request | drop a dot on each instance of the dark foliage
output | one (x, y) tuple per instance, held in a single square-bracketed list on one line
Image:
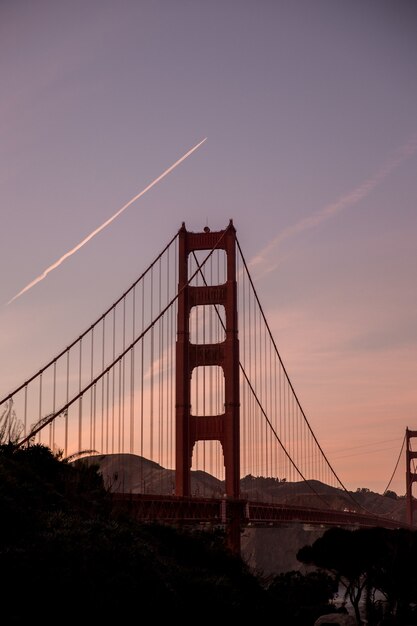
[(34, 483), (300, 599), (376, 564), (66, 558), (391, 494)]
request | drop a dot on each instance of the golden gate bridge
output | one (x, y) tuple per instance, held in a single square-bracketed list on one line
[(183, 370)]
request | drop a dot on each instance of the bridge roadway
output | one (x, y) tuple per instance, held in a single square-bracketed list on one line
[(191, 510)]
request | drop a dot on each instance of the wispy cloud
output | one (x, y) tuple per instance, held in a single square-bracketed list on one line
[(105, 224), (402, 153)]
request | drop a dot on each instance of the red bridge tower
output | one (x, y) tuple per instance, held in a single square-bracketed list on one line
[(410, 477), (224, 427)]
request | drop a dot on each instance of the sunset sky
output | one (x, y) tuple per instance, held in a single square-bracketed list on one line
[(309, 108)]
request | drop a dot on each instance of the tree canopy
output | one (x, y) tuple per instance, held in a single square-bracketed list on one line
[(367, 561), (66, 556)]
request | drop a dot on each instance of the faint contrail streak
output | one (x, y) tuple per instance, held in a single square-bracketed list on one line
[(106, 223), (403, 153)]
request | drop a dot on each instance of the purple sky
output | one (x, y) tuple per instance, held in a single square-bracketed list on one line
[(310, 110)]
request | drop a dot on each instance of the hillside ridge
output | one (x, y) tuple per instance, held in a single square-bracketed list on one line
[(130, 473)]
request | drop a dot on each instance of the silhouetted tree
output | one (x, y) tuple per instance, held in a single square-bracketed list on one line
[(391, 494), (298, 599), (369, 560), (395, 576), (10, 427)]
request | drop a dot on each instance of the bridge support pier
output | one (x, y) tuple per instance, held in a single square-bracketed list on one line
[(233, 514)]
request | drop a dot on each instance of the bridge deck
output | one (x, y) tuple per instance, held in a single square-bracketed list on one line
[(183, 510)]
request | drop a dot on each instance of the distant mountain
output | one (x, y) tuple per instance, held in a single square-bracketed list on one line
[(131, 473)]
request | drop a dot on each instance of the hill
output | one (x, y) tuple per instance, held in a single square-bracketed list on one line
[(135, 474)]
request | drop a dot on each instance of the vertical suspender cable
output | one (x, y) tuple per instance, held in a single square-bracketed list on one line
[(66, 413), (123, 365), (80, 425), (267, 375), (167, 373), (275, 448), (241, 293), (52, 430), (40, 402), (107, 410), (250, 450), (142, 356), (113, 381), (152, 370), (102, 385), (92, 416), (25, 413), (271, 411), (119, 409), (132, 377), (160, 373)]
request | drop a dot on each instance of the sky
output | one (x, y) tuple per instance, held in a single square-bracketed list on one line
[(310, 113)]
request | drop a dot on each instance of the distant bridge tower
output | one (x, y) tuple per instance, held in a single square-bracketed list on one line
[(223, 427), (410, 477)]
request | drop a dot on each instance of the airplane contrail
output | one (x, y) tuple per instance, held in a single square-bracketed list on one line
[(402, 153), (106, 223)]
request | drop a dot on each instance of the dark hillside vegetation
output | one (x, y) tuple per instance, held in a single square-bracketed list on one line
[(64, 555)]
